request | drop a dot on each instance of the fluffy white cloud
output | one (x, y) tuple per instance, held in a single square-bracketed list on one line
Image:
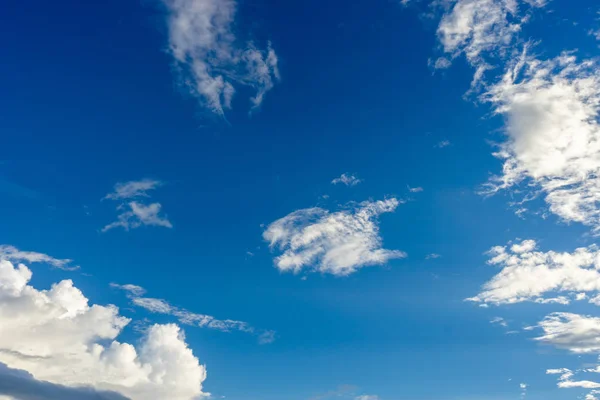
[(338, 243), (481, 28), (553, 137), (209, 57), (347, 179), (132, 189), (58, 337), (21, 385), (11, 253), (186, 317), (136, 214), (528, 274), (573, 332)]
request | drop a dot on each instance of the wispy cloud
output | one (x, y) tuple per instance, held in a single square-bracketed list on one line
[(160, 306), (415, 189), (443, 143), (347, 179), (134, 214), (499, 321), (11, 253), (133, 189), (432, 256), (338, 243), (482, 30), (210, 59)]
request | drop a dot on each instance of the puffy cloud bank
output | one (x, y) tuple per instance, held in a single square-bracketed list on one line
[(58, 337)]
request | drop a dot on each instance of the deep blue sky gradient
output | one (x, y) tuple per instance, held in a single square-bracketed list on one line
[(89, 100)]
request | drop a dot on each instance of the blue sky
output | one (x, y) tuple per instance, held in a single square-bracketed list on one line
[(309, 191)]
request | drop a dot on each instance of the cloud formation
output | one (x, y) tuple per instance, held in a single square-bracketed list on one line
[(11, 253), (573, 332), (347, 179), (56, 336), (186, 317), (528, 274), (481, 30), (552, 133), (337, 243), (209, 57), (19, 384), (134, 214), (133, 189)]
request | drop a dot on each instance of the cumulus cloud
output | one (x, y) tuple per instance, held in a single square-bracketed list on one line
[(347, 179), (552, 134), (11, 253), (160, 306), (573, 332), (133, 189), (57, 336), (19, 384), (337, 243), (528, 274), (209, 57)]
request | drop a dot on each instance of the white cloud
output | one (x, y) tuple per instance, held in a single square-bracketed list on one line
[(11, 253), (565, 374), (160, 306), (347, 179), (579, 384), (367, 397), (136, 214), (58, 337), (432, 256), (573, 332), (338, 243), (132, 189), (480, 29), (552, 134), (528, 274), (134, 290), (415, 189), (19, 384), (499, 321), (210, 59), (443, 143)]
